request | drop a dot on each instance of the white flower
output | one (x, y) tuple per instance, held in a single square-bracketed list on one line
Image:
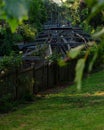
[(2, 72)]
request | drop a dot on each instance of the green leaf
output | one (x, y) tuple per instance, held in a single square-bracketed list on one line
[(61, 62), (13, 23), (98, 34), (14, 12), (91, 2), (16, 8), (92, 61), (75, 52), (96, 6), (79, 72)]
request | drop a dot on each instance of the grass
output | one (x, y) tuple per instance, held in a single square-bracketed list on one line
[(65, 110)]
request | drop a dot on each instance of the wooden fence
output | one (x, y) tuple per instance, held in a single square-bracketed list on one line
[(35, 79), (17, 84), (47, 76)]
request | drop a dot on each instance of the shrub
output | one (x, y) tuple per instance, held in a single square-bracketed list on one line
[(17, 37), (6, 42), (9, 63), (6, 103), (27, 32)]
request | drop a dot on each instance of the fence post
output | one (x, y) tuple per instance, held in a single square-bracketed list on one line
[(33, 65), (16, 83), (47, 75)]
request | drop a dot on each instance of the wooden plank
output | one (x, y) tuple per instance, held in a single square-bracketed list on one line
[(32, 58), (43, 36), (59, 28), (64, 28), (41, 39), (21, 46)]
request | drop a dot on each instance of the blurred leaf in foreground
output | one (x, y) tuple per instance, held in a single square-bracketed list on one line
[(73, 53), (98, 34), (79, 72), (61, 62), (14, 12)]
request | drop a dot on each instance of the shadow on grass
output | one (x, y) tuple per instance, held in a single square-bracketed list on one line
[(61, 102), (67, 102)]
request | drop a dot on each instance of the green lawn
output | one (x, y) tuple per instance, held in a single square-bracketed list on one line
[(66, 110)]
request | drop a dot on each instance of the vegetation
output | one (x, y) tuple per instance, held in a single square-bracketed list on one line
[(85, 14), (10, 62), (64, 109), (6, 46), (21, 20)]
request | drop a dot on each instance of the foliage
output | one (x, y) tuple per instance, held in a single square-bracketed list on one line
[(10, 63), (13, 12), (96, 56), (54, 57), (53, 11), (6, 104), (75, 14), (79, 72), (27, 32), (87, 27), (40, 51), (95, 8), (15, 16), (85, 10), (15, 85), (6, 42), (37, 13), (17, 37)]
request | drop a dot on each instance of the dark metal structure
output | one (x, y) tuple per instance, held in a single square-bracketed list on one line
[(55, 38)]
